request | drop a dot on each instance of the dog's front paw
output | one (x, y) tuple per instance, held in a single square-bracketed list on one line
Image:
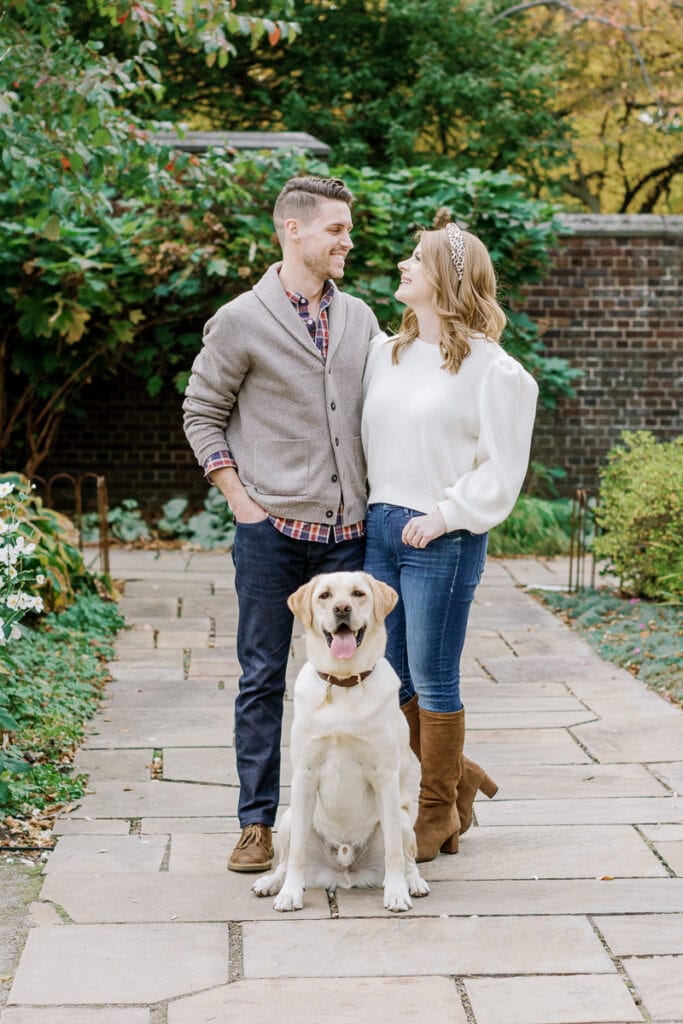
[(289, 899), (417, 886), (268, 885), (396, 899)]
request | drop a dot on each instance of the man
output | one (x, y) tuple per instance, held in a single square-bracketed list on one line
[(272, 412)]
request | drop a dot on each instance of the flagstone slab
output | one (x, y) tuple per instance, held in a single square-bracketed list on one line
[(125, 678), (567, 781), (634, 741), (158, 799), (98, 854), (159, 897), (670, 772), (201, 764), (74, 1015), (663, 833), (643, 705), (134, 640), (226, 668), (164, 727), (552, 852), (157, 606), (558, 668), (207, 826), (643, 934), (659, 982), (197, 853), (609, 811), (673, 855), (91, 826), (485, 647), (491, 701), (339, 1000), (543, 642), (120, 964), (144, 659), (181, 637), (115, 765), (483, 689), (558, 1000), (525, 746), (539, 719), (412, 946), (181, 698), (508, 897)]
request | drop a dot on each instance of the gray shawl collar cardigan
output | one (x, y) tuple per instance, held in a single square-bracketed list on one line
[(291, 420)]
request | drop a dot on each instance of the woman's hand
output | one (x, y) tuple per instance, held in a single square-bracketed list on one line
[(421, 530)]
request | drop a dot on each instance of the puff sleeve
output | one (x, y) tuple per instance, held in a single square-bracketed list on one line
[(485, 496)]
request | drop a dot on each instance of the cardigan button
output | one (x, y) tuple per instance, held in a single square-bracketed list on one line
[(334, 478), (329, 513), (333, 406), (336, 441)]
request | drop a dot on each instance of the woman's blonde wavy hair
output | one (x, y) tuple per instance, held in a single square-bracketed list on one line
[(465, 307)]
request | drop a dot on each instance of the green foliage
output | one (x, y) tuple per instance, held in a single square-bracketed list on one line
[(52, 555), (645, 638), (641, 515), (54, 687), (431, 81), (117, 249), (213, 527), (536, 526)]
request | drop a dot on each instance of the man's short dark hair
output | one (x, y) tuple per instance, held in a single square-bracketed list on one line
[(301, 197)]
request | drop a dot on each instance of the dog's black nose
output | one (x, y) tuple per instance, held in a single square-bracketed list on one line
[(342, 610)]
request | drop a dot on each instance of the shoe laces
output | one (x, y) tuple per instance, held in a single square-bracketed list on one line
[(251, 834)]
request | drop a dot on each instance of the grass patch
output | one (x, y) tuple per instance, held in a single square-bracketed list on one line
[(644, 637), (55, 681)]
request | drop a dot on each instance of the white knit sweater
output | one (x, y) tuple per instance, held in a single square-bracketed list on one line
[(457, 441)]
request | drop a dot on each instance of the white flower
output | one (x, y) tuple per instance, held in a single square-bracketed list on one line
[(4, 527), (40, 579), (6, 489), (13, 601)]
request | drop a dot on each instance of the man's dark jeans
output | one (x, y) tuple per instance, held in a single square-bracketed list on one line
[(268, 568)]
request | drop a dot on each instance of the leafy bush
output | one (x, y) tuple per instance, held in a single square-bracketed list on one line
[(213, 527), (54, 687), (48, 540), (536, 526), (641, 515)]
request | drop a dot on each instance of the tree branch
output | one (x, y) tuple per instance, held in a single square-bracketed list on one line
[(582, 16)]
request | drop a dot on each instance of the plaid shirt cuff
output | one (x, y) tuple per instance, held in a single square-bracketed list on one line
[(219, 460)]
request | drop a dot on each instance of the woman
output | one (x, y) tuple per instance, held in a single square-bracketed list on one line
[(447, 425)]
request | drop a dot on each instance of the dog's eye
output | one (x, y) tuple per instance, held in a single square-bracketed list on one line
[(358, 593), (324, 596)]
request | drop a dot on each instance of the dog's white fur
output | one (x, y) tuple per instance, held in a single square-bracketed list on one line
[(349, 822)]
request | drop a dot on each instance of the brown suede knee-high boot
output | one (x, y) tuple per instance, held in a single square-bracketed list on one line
[(412, 713), (441, 741)]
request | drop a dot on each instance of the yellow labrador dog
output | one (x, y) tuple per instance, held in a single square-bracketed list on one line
[(348, 823)]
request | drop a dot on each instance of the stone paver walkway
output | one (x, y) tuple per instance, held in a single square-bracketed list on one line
[(564, 906)]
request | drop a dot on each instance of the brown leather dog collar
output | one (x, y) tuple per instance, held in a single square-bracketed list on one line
[(345, 681)]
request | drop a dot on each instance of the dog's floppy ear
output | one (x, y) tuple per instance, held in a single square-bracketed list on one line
[(301, 605), (384, 597)]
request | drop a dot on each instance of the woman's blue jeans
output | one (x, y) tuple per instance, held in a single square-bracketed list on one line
[(436, 585)]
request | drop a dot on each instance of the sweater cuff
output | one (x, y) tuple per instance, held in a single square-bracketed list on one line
[(219, 460)]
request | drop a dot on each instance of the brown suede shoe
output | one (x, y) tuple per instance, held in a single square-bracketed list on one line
[(254, 850)]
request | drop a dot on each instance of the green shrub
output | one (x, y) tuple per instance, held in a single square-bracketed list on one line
[(536, 526), (641, 514)]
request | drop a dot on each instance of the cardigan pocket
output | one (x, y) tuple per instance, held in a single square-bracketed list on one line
[(282, 466)]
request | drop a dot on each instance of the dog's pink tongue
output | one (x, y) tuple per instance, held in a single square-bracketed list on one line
[(343, 644)]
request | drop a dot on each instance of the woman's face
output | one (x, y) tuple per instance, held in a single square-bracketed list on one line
[(414, 289)]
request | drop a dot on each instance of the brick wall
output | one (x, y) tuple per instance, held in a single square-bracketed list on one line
[(611, 305)]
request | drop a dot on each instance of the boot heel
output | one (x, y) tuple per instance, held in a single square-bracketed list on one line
[(451, 845), (488, 786)]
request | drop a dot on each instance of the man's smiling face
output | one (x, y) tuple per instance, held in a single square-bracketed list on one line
[(325, 241)]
